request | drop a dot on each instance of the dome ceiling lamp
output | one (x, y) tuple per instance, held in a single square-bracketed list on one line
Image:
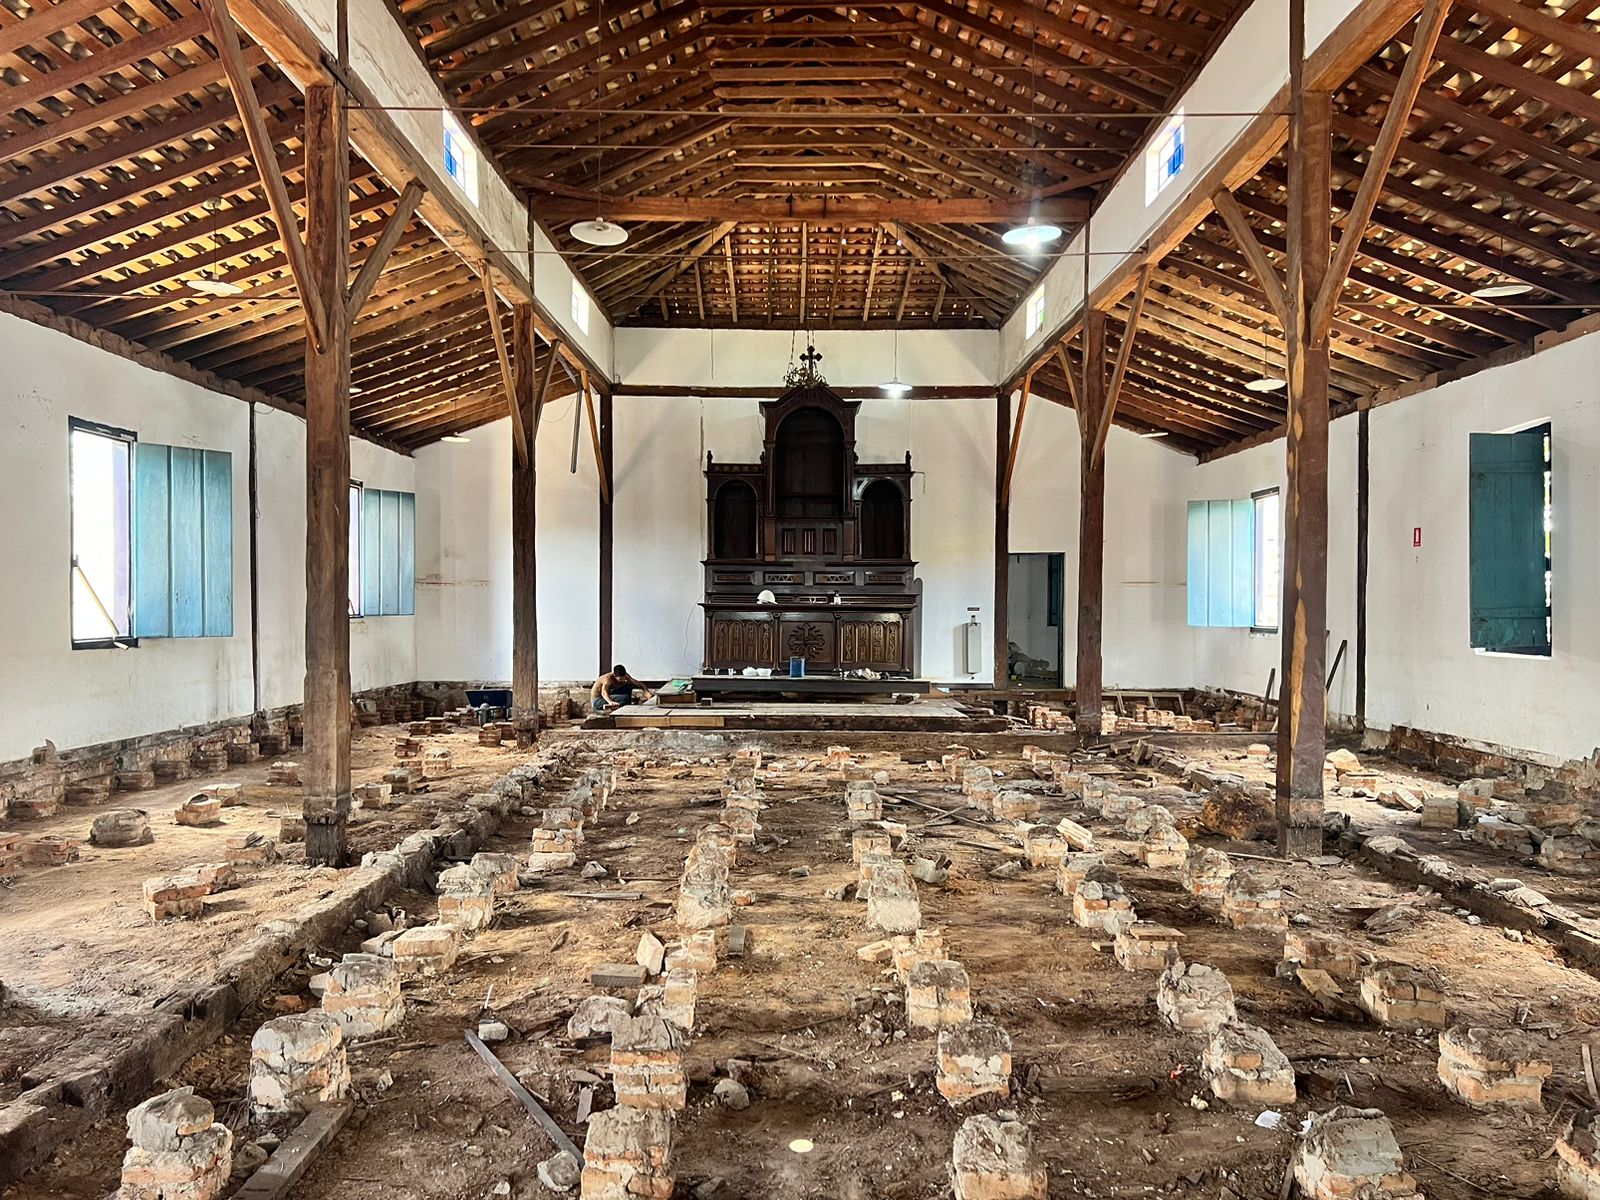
[(895, 389), (1033, 235), (210, 283), (1267, 381)]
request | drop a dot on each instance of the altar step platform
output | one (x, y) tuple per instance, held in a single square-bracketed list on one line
[(919, 715)]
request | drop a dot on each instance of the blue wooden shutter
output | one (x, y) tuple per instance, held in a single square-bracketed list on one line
[(408, 554), (371, 554), (217, 524), (1507, 541), (1199, 559), (1222, 563), (152, 562), (183, 542)]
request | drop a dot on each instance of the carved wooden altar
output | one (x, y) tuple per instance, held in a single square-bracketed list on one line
[(827, 535)]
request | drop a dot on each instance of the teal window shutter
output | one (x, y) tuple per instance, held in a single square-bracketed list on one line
[(217, 526), (183, 542), (152, 559), (1509, 601), (371, 554), (1199, 561), (388, 553), (1221, 563)]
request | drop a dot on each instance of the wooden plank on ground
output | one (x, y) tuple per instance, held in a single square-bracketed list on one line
[(294, 1154)]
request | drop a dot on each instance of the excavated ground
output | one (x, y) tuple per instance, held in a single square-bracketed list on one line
[(1114, 1096)]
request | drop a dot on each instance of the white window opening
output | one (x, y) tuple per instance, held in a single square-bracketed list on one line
[(100, 461), (580, 307), (460, 157), (1034, 319), (355, 550), (1268, 559), (1163, 161)]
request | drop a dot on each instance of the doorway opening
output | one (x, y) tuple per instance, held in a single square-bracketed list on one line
[(1033, 619)]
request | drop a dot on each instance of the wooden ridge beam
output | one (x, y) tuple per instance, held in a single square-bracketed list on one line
[(817, 208)]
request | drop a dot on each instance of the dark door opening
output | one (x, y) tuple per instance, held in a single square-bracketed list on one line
[(1033, 619)]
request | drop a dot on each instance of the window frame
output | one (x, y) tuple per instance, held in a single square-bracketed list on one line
[(352, 585), (1034, 313), (130, 439), (1255, 561), (580, 306), (455, 144), (1155, 160)]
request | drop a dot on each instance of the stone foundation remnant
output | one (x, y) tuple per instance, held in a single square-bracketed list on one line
[(121, 827), (1323, 952), (973, 1060), (175, 896), (466, 898), (1146, 946), (1074, 869), (426, 950), (938, 995), (1101, 903), (1014, 806), (995, 1160), (647, 1063), (1163, 847), (1352, 1154), (363, 995), (892, 903), (869, 841), (251, 850), (180, 1151), (1404, 995), (862, 802), (1206, 873), (1247, 1068), (1252, 901), (1195, 998), (296, 1062), (198, 810), (1486, 1067), (627, 1155)]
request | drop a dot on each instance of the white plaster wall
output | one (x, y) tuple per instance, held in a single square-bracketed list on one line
[(850, 357), (1238, 658), (1145, 530), (80, 697), (464, 553), (1421, 669), (1239, 80)]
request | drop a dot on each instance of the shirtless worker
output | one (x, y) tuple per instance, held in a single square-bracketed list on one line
[(614, 689)]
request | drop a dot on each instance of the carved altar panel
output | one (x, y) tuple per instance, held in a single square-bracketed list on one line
[(815, 641), (738, 641), (875, 642)]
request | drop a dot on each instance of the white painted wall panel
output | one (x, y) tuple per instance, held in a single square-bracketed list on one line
[(80, 697)]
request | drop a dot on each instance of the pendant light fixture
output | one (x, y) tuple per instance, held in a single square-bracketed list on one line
[(1502, 285), (456, 439), (210, 284), (895, 389), (598, 231), (1033, 235), (1266, 381)]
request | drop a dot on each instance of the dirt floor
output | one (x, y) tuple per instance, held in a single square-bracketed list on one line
[(1116, 1099), (78, 955)]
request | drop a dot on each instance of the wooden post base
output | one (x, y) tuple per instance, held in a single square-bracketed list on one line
[(327, 843)]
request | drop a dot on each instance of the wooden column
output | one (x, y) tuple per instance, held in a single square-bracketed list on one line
[(607, 496), (524, 571), (327, 370), (1091, 524), (1002, 542), (1303, 699)]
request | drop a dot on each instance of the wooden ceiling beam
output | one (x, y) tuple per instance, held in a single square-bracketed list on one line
[(817, 208)]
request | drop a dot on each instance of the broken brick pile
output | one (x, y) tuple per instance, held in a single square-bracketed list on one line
[(995, 1159), (1486, 1067), (1352, 1152)]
